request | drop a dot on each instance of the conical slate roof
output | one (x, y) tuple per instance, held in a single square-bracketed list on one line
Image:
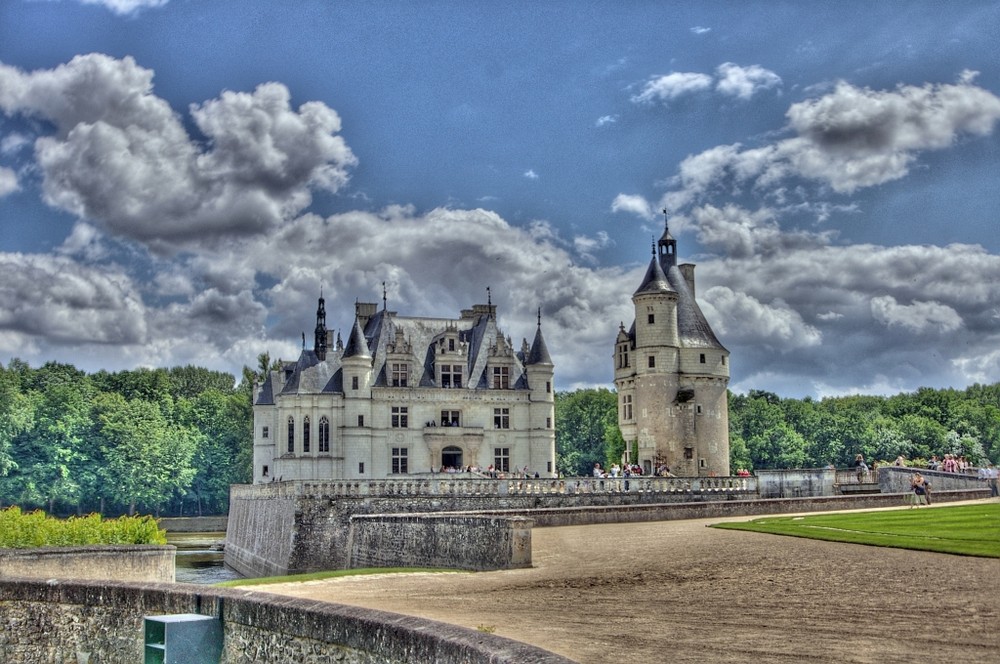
[(539, 353), (655, 280), (357, 346)]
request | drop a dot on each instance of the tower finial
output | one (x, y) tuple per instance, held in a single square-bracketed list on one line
[(489, 297), (384, 298), (539, 316), (666, 220), (652, 245)]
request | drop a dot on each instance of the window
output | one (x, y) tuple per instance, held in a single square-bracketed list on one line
[(501, 418), (650, 318), (548, 387), (688, 452), (324, 435), (451, 344), (305, 435), (400, 373), (451, 418), (626, 408), (264, 474), (501, 378), (652, 361), (723, 360), (702, 358), (451, 375), (291, 435), (623, 356), (264, 432), (400, 460), (501, 459), (400, 417), (354, 382), (361, 420), (548, 422), (361, 468), (698, 408)]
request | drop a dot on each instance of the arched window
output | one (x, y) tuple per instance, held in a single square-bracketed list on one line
[(305, 434), (291, 435), (324, 435)]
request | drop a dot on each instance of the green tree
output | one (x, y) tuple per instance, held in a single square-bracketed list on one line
[(583, 419)]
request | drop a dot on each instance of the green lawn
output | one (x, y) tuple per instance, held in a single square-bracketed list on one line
[(966, 530)]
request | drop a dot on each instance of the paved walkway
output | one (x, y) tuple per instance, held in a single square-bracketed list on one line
[(682, 592)]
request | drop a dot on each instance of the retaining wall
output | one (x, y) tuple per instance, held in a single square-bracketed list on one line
[(102, 623), (459, 541), (123, 563)]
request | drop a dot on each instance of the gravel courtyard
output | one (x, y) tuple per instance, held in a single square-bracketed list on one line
[(679, 591)]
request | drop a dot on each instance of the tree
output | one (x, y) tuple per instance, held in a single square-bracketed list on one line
[(583, 419), (146, 458)]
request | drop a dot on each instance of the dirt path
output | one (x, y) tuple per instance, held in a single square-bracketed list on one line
[(681, 592)]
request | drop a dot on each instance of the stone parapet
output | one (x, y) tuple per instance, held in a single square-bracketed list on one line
[(103, 623), (122, 563)]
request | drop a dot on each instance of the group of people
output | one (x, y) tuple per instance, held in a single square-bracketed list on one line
[(951, 463), (624, 470)]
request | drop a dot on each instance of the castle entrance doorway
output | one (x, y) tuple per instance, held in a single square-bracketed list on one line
[(451, 456)]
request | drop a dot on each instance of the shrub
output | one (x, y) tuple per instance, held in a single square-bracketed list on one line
[(20, 530)]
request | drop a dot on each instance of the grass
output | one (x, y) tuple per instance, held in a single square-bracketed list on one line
[(330, 574), (966, 530)]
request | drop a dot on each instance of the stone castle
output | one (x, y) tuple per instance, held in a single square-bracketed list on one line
[(672, 374), (407, 395)]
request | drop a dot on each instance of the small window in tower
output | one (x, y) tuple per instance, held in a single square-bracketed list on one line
[(688, 452), (361, 468), (701, 462), (451, 344), (699, 409), (651, 318), (361, 420), (264, 474), (264, 432), (702, 359), (548, 422), (723, 360), (652, 361), (354, 382), (548, 387)]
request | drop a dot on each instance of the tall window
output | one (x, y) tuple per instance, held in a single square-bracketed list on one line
[(361, 420), (650, 318), (501, 459), (702, 358), (291, 435), (400, 460), (626, 408), (451, 344), (501, 418), (305, 435), (501, 378), (652, 361), (354, 382), (451, 375), (623, 356), (400, 373), (264, 432), (400, 417), (324, 435), (451, 418)]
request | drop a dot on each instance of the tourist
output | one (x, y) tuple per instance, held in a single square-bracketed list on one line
[(859, 463), (900, 461), (934, 463), (919, 496), (990, 474)]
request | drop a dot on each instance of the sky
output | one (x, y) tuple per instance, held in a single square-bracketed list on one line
[(181, 179)]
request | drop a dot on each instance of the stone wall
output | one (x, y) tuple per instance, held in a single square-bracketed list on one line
[(102, 623), (796, 483), (896, 479), (305, 526), (123, 563), (193, 524), (459, 541)]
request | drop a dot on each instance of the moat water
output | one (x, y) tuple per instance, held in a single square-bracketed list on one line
[(200, 558)]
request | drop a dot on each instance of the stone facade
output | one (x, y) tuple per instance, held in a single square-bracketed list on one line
[(672, 375), (407, 395)]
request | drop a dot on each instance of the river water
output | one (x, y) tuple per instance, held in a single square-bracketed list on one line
[(198, 560)]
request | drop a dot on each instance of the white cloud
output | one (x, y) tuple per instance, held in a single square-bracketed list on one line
[(606, 120), (671, 86), (125, 7), (14, 142), (742, 318), (8, 181), (155, 183), (699, 30), (531, 174), (917, 317), (586, 247), (634, 204), (745, 82)]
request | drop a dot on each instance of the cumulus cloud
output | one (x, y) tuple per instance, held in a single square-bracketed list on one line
[(63, 302), (671, 86), (916, 317), (634, 204), (122, 159), (8, 181), (606, 120), (743, 318), (744, 82), (848, 139), (531, 174)]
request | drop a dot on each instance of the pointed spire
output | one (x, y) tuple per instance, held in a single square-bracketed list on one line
[(385, 299), (319, 340), (655, 279), (539, 353), (357, 345)]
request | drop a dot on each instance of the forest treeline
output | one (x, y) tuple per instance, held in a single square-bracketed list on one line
[(766, 431), (160, 441), (171, 441)]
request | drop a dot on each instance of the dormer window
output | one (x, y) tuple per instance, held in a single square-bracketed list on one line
[(400, 374), (501, 378), (451, 375)]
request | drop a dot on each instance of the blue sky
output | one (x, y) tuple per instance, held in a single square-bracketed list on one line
[(179, 179)]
